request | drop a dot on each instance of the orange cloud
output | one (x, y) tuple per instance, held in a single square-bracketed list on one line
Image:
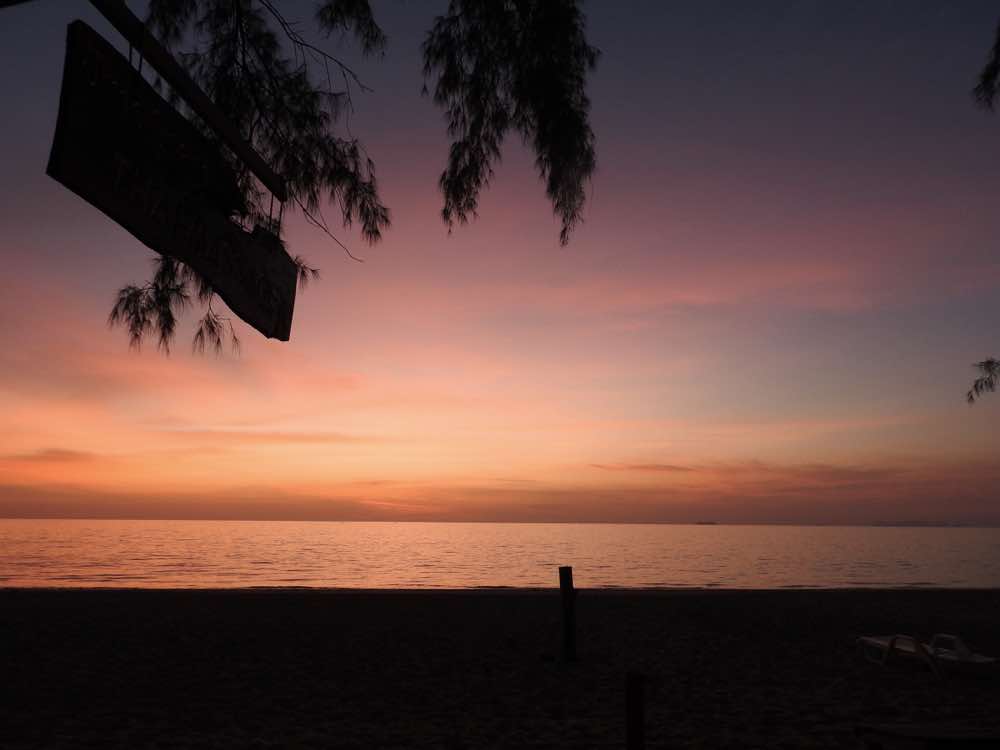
[(751, 492), (255, 437), (655, 468), (49, 456)]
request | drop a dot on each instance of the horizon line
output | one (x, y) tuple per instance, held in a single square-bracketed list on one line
[(900, 524)]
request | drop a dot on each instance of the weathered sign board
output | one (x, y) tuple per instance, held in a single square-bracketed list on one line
[(126, 151)]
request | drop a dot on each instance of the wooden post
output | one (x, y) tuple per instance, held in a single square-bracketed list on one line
[(635, 711), (568, 613)]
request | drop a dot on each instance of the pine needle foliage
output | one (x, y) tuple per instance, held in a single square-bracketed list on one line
[(989, 376), (985, 94), (513, 65), (495, 66)]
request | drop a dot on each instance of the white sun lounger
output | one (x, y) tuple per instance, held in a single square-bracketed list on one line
[(944, 654)]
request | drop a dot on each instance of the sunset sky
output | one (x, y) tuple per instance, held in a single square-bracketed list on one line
[(788, 264)]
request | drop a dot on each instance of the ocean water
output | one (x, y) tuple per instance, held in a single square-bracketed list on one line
[(236, 554)]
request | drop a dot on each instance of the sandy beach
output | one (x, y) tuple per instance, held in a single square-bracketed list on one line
[(313, 668)]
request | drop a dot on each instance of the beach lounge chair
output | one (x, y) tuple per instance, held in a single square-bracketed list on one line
[(886, 649), (945, 654), (955, 657)]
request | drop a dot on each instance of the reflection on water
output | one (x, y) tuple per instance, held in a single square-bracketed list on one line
[(228, 554)]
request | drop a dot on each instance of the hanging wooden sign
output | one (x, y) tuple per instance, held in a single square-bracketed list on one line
[(126, 151)]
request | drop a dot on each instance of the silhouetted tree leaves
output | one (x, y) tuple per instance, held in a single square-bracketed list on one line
[(211, 333), (513, 64), (987, 381), (498, 65), (353, 16), (154, 306), (985, 91), (985, 94)]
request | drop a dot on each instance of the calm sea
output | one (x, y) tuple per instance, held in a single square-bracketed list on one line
[(230, 554)]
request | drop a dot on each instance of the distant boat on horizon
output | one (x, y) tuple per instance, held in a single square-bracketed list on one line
[(706, 523)]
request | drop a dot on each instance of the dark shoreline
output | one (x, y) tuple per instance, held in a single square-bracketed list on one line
[(471, 668), (514, 590)]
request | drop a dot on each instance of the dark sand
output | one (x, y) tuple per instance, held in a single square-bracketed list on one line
[(470, 670)]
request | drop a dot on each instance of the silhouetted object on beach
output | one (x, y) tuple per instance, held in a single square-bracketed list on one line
[(944, 654), (494, 67), (568, 596), (635, 711), (890, 650)]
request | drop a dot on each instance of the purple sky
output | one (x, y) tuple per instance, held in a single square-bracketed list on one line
[(786, 268)]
